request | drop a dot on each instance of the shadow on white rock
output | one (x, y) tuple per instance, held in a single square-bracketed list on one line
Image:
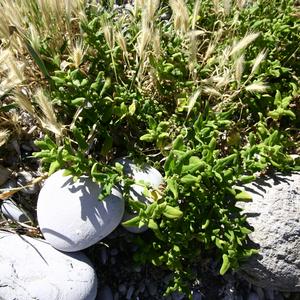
[(274, 214), (140, 173), (70, 215), (32, 269)]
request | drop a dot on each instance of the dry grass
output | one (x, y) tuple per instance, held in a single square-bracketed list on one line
[(35, 22)]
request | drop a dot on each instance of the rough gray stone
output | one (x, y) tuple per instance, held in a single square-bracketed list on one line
[(32, 269), (274, 214)]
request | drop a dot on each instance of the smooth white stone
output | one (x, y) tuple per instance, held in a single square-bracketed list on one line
[(146, 174), (70, 215), (13, 212), (32, 269)]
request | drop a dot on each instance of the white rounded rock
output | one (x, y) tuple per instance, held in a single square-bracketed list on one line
[(70, 215), (146, 174), (32, 269)]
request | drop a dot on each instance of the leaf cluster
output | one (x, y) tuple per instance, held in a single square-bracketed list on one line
[(197, 96)]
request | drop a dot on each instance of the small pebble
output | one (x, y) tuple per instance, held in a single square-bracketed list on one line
[(114, 251), (178, 296), (137, 269), (13, 212), (142, 287), (4, 175), (24, 178), (286, 295), (9, 184), (122, 289), (26, 148), (259, 291), (278, 296), (129, 293), (152, 289), (113, 261), (103, 256), (116, 296), (197, 296), (105, 293), (269, 294), (253, 296)]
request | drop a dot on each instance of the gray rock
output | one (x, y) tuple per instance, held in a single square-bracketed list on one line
[(274, 214), (105, 293), (32, 269), (13, 212)]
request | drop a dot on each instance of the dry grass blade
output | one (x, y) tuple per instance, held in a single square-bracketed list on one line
[(4, 135), (49, 120), (257, 87), (109, 35), (212, 92), (209, 51), (227, 7), (195, 14), (156, 43), (180, 15), (3, 56), (239, 68), (258, 60), (192, 101), (243, 43), (77, 53), (6, 193), (152, 6), (23, 102)]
